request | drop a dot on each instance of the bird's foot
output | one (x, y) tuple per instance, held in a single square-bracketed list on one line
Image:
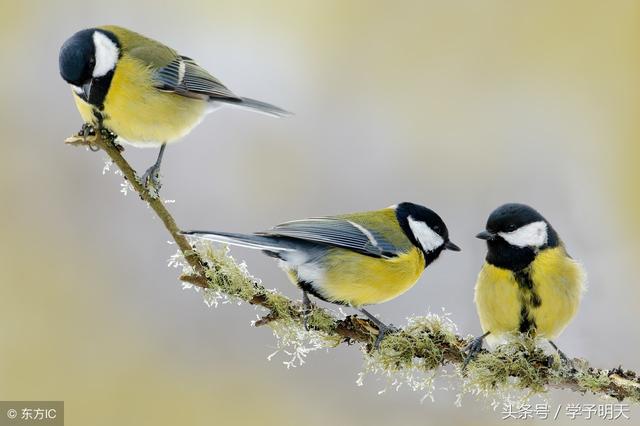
[(87, 130), (472, 349), (111, 137), (307, 308), (151, 180), (564, 359), (383, 330), (306, 313)]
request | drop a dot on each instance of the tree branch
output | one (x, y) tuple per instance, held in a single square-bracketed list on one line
[(425, 344)]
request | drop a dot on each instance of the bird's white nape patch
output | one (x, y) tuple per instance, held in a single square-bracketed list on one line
[(106, 54), (532, 235), (427, 237)]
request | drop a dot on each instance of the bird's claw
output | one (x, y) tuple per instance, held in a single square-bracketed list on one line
[(85, 131), (306, 313), (108, 135), (382, 332), (472, 350), (151, 180), (307, 308), (89, 130)]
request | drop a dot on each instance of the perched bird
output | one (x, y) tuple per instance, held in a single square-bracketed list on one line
[(355, 259), (528, 283), (141, 90)]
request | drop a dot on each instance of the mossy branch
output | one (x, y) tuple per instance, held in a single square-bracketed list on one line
[(425, 344)]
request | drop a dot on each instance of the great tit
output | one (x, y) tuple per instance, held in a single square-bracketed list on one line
[(355, 259), (141, 90), (528, 283)]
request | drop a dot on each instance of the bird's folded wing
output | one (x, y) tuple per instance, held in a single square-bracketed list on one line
[(184, 77), (336, 232)]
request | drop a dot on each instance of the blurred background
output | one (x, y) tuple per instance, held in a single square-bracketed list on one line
[(460, 106)]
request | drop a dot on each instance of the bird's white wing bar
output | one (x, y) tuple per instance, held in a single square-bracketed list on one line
[(185, 77)]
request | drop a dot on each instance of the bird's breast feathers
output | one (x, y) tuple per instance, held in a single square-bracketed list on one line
[(347, 277), (557, 286)]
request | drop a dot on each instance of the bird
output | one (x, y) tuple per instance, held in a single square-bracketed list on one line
[(355, 259), (144, 92), (528, 283)]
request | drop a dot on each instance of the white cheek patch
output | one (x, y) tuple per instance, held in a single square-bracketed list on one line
[(531, 235), (428, 238), (77, 89), (106, 54)]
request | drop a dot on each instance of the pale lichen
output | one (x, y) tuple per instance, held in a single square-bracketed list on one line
[(411, 358)]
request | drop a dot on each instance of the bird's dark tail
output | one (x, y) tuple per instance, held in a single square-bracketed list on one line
[(258, 106), (251, 241)]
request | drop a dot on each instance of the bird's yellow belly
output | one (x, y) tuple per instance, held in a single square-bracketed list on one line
[(558, 282), (141, 114), (497, 300), (358, 280)]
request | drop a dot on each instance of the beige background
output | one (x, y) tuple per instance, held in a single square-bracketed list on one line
[(457, 105)]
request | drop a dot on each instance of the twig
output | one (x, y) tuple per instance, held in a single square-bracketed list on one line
[(428, 342), (158, 206)]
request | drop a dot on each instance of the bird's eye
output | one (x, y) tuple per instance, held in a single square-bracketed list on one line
[(511, 227), (436, 229), (92, 61)]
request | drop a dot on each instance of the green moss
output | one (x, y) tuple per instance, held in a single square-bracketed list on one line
[(593, 382), (279, 305), (227, 276), (396, 352), (520, 359), (321, 321), (419, 345)]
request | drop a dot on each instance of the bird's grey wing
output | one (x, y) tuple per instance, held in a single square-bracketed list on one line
[(336, 232), (185, 77)]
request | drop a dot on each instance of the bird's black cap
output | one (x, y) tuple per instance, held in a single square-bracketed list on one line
[(512, 216), (77, 57)]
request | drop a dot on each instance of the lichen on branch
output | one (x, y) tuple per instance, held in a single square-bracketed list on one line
[(413, 356)]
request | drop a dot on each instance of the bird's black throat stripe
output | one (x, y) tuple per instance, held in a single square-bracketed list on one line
[(99, 88), (529, 299)]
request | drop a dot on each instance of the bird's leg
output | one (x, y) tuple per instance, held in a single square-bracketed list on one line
[(383, 329), (473, 348), (151, 178), (306, 309)]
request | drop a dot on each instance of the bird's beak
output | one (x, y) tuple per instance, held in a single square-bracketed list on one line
[(486, 235), (86, 89), (450, 246)]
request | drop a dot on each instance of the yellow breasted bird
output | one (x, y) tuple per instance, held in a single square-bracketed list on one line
[(528, 283), (141, 90), (355, 259)]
